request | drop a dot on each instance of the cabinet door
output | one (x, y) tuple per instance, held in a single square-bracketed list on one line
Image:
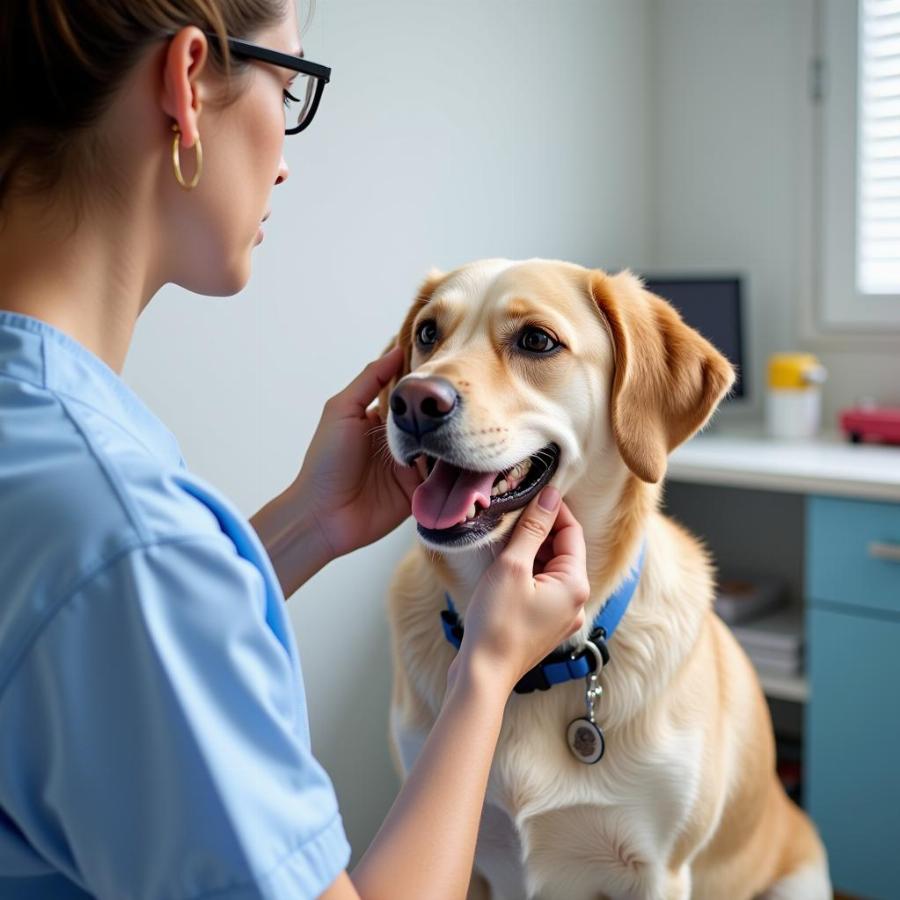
[(853, 553), (853, 747)]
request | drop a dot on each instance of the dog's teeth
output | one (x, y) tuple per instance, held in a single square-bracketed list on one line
[(516, 474), (471, 513), (514, 477)]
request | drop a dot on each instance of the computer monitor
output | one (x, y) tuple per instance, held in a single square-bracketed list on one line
[(712, 305)]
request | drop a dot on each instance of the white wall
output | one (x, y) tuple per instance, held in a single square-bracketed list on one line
[(734, 176), (450, 131)]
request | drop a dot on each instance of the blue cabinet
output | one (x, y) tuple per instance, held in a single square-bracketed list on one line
[(853, 717)]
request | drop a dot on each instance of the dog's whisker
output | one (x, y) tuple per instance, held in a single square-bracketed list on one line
[(375, 429), (384, 453)]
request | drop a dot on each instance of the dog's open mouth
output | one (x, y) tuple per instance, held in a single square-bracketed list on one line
[(456, 506)]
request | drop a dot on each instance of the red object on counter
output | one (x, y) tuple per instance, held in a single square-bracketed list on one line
[(877, 424)]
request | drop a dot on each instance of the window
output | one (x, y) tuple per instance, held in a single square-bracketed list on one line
[(859, 254), (878, 194)]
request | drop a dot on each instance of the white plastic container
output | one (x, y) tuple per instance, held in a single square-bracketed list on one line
[(794, 396)]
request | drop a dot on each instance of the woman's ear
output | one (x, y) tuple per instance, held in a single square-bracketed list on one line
[(404, 337), (184, 60), (667, 379)]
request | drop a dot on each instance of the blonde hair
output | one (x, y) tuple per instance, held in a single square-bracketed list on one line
[(61, 62)]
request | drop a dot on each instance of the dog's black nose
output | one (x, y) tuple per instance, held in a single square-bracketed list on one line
[(420, 405)]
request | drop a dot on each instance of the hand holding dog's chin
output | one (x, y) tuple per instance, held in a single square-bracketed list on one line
[(515, 617)]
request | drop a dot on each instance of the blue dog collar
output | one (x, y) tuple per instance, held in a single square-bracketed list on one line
[(565, 665)]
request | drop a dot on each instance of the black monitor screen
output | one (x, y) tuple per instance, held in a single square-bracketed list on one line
[(713, 307)]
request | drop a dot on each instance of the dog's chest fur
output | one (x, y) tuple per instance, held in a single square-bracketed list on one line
[(554, 827), (584, 826)]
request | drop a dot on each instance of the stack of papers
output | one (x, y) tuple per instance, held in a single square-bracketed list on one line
[(774, 642), (739, 600)]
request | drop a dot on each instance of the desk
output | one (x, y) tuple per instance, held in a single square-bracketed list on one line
[(829, 466), (825, 515)]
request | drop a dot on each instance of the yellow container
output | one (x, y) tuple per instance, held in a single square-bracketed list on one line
[(794, 397), (794, 370)]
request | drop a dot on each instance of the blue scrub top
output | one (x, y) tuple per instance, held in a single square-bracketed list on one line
[(154, 741)]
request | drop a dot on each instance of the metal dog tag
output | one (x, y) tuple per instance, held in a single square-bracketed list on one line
[(585, 740), (584, 736)]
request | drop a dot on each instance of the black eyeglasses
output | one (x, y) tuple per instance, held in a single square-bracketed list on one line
[(308, 85)]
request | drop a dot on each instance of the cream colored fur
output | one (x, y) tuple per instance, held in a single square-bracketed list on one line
[(685, 802)]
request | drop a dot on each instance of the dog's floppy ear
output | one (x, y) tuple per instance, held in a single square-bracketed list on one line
[(404, 336), (667, 379)]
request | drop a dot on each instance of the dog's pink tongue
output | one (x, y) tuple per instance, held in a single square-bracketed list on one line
[(444, 498)]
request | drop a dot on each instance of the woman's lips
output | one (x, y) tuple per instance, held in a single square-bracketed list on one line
[(260, 233)]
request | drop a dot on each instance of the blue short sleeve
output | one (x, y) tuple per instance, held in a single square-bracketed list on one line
[(153, 738)]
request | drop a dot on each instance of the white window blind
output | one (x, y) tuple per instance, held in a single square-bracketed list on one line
[(857, 266), (878, 194)]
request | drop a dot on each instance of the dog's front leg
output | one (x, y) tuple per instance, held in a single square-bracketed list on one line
[(658, 883), (677, 884)]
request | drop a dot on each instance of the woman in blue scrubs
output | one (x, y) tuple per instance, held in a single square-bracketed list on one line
[(153, 727)]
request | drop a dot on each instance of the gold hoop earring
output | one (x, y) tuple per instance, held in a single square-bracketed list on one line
[(176, 160)]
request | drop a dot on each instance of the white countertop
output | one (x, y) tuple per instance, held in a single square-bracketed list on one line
[(745, 457)]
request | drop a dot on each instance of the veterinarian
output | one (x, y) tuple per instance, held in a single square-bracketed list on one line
[(153, 726)]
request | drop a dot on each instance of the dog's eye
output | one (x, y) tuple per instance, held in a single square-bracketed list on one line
[(536, 340), (426, 334)]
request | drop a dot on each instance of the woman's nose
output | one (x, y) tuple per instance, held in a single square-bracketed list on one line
[(283, 171)]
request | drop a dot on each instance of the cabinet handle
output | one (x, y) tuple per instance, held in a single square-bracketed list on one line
[(881, 550)]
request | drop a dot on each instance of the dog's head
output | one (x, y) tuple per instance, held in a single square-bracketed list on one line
[(519, 373)]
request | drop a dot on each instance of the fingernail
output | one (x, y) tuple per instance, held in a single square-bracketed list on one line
[(549, 498)]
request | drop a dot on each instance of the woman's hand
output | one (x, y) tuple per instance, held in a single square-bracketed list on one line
[(349, 483), (517, 617)]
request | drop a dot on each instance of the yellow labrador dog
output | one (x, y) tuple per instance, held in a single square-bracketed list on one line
[(522, 372)]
